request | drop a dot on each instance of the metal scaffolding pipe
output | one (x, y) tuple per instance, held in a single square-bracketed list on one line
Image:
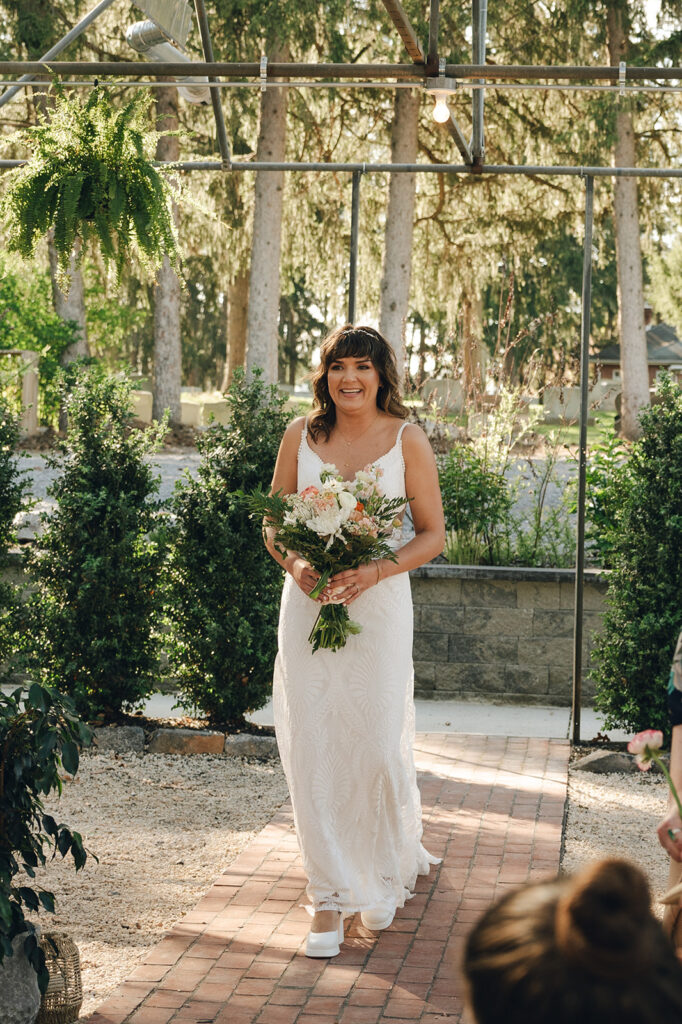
[(480, 20), (74, 33), (405, 30), (216, 99), (354, 237), (261, 165), (401, 72), (582, 460), (434, 18)]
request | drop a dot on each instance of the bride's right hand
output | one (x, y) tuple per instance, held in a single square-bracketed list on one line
[(305, 576)]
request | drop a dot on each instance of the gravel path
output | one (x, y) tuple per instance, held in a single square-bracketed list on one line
[(163, 827), (616, 816)]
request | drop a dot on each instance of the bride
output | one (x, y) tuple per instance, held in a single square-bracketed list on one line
[(345, 719)]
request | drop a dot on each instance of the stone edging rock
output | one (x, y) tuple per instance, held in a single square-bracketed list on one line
[(131, 739)]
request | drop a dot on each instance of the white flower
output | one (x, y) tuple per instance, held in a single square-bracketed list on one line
[(326, 523), (347, 501)]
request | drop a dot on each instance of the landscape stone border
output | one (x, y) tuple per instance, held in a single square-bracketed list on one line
[(131, 739)]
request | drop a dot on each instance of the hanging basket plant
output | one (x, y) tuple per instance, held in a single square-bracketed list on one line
[(91, 177)]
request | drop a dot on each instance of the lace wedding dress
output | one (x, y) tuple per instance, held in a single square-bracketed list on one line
[(345, 729)]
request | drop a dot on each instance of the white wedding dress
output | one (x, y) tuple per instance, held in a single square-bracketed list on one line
[(345, 729)]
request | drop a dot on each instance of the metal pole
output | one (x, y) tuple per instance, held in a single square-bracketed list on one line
[(432, 56), (354, 226), (216, 99), (582, 459), (76, 31), (480, 19), (401, 72), (530, 171)]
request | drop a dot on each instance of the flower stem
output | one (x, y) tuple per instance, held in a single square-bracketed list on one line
[(671, 784), (320, 585)]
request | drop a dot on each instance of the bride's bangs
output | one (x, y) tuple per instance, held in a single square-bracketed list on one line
[(356, 344)]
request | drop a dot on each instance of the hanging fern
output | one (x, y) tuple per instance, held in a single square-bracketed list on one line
[(91, 176)]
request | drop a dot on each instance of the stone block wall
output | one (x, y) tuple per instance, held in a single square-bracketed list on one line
[(501, 634)]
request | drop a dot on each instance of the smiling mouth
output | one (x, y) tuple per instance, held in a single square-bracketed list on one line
[(351, 391)]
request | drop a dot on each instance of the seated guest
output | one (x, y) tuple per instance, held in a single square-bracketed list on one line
[(580, 950)]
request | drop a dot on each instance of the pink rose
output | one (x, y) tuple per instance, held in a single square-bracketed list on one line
[(309, 492), (643, 746)]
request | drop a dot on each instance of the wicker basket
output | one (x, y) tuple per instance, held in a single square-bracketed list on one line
[(62, 1002)]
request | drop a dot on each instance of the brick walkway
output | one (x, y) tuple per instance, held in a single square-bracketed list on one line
[(493, 810)]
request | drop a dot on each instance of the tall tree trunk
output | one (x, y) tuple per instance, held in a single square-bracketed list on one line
[(237, 315), (264, 286), (472, 370), (70, 305), (395, 281), (167, 347), (633, 352)]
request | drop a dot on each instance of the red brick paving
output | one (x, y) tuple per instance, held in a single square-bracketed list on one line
[(493, 810)]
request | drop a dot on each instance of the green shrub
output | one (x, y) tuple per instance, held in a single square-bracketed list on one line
[(607, 478), (644, 610), (476, 502), (12, 497), (39, 736), (224, 588), (29, 322), (92, 621)]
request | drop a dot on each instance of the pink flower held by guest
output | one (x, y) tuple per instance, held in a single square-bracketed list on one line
[(643, 746)]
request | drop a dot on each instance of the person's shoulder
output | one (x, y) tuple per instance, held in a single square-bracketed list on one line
[(414, 439), (293, 433)]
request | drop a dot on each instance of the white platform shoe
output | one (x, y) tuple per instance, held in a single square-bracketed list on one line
[(325, 944), (377, 919)]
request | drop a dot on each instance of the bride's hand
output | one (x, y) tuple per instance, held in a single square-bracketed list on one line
[(305, 576), (346, 586)]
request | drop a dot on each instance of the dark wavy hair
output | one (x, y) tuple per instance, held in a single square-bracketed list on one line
[(356, 342), (586, 948)]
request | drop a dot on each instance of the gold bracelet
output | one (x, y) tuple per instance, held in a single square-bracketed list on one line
[(378, 565)]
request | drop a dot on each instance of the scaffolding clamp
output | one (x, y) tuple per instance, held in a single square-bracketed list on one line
[(621, 77), (263, 72)]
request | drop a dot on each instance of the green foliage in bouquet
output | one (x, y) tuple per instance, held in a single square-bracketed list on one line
[(224, 588), (40, 735), (91, 176), (644, 610), (93, 620)]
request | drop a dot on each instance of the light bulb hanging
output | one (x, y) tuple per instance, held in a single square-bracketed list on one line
[(441, 89), (441, 110)]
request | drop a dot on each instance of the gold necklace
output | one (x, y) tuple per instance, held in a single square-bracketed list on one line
[(354, 440)]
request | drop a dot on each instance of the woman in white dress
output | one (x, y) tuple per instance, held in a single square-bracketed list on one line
[(345, 719)]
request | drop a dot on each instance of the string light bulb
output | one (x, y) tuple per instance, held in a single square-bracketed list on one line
[(441, 89), (441, 110)]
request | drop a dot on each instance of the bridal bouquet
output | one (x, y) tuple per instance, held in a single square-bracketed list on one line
[(340, 525)]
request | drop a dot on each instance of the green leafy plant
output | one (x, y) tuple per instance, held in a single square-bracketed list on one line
[(92, 620), (40, 735), (28, 322), (224, 588), (644, 611), (13, 486), (607, 478), (90, 176), (476, 503)]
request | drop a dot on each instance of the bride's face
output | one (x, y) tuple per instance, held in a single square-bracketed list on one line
[(353, 383)]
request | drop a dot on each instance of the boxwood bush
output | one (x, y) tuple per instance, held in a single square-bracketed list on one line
[(224, 588), (644, 603), (93, 620)]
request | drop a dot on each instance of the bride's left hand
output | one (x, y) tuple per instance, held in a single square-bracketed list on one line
[(346, 586)]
